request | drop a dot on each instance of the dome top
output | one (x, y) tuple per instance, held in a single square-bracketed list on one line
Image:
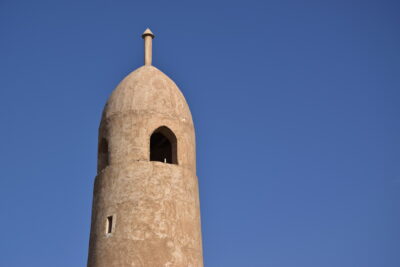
[(147, 89)]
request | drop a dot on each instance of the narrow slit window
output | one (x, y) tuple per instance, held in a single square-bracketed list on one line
[(109, 224)]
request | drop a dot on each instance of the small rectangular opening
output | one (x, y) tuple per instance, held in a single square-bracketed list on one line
[(109, 224)]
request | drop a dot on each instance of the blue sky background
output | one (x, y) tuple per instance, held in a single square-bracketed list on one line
[(296, 109)]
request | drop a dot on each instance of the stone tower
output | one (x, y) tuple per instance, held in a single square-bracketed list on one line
[(145, 200)]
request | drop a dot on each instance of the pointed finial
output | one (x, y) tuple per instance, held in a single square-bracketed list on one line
[(148, 32), (148, 38)]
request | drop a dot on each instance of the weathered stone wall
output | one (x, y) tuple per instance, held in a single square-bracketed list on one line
[(155, 205)]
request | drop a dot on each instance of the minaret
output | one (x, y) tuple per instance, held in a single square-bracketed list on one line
[(146, 209)]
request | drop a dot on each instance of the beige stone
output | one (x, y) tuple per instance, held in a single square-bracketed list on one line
[(146, 213)]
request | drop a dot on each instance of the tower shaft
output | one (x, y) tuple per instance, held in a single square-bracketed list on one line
[(146, 209)]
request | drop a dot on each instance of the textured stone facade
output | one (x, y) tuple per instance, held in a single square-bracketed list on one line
[(153, 206)]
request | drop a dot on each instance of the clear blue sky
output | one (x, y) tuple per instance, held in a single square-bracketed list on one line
[(296, 109)]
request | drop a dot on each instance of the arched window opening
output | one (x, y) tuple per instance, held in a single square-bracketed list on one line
[(103, 154), (163, 146)]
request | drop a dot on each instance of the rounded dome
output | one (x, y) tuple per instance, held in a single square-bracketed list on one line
[(148, 89)]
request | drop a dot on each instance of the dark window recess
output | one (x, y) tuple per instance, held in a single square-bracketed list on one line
[(103, 156), (109, 224), (163, 146)]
